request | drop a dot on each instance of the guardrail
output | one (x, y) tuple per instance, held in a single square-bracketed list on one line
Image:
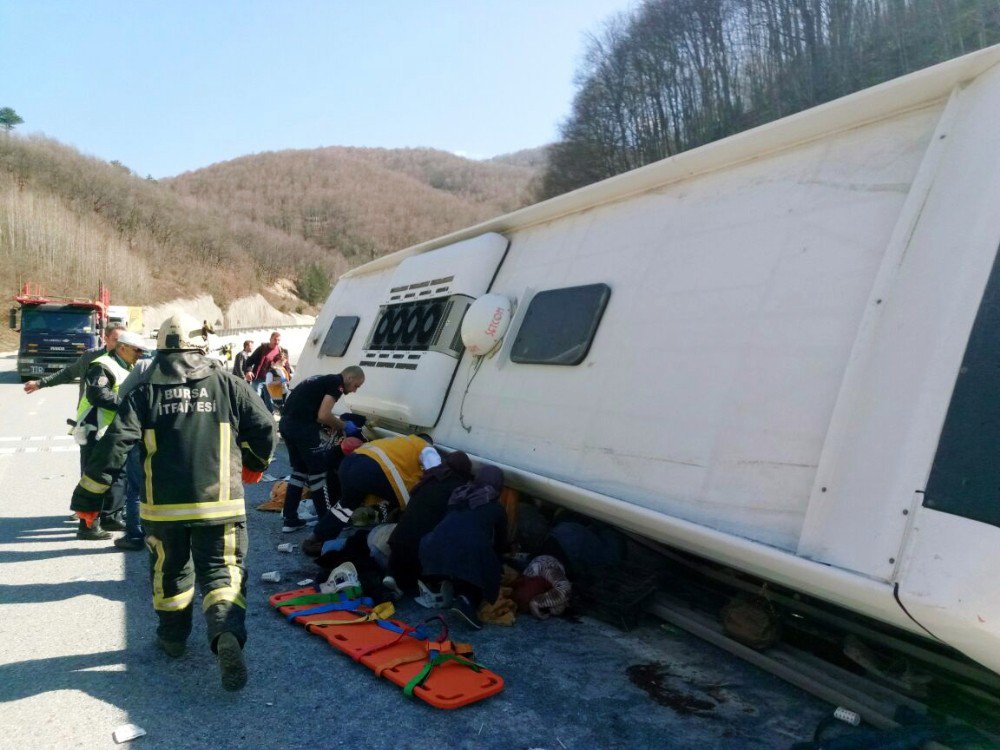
[(234, 331)]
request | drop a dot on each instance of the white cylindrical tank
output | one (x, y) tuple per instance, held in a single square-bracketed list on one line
[(485, 323)]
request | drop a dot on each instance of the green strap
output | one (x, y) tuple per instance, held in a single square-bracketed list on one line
[(331, 598), (436, 661)]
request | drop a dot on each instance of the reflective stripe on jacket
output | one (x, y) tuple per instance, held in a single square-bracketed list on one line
[(197, 426), (399, 458), (116, 375)]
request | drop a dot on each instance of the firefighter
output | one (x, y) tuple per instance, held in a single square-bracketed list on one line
[(98, 404), (195, 423)]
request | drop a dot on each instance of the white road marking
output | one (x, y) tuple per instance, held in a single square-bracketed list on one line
[(39, 449), (35, 437)]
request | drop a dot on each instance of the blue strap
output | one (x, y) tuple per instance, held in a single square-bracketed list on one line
[(348, 606), (419, 633)]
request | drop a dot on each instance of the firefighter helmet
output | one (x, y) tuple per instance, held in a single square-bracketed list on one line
[(181, 331)]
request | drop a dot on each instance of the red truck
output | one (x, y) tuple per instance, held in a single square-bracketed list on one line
[(56, 330)]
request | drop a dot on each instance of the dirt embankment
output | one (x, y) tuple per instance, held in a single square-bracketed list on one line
[(246, 312)]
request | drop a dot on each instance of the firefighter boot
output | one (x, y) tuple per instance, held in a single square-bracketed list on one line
[(231, 663), (92, 533)]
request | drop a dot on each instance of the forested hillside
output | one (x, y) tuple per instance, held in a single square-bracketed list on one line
[(69, 221), (362, 203), (675, 74)]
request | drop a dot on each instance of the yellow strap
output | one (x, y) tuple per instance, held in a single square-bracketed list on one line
[(382, 611), (393, 663)]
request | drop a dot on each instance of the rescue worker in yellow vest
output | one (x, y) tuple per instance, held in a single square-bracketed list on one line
[(196, 424), (386, 468), (96, 410)]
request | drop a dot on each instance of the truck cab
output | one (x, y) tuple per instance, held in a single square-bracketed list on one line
[(55, 331), (53, 336)]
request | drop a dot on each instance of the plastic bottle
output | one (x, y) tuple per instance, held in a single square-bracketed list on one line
[(272, 576)]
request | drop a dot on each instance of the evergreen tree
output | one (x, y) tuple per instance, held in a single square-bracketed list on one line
[(9, 119)]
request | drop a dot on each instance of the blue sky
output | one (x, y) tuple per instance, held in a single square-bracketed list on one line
[(167, 86)]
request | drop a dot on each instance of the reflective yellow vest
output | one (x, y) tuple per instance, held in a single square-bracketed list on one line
[(399, 458), (105, 417)]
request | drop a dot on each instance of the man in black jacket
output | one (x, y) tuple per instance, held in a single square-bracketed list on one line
[(198, 424), (240, 363), (309, 409)]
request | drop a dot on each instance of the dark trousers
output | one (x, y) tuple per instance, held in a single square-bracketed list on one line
[(181, 554), (133, 486), (308, 456), (114, 500), (359, 476), (404, 565)]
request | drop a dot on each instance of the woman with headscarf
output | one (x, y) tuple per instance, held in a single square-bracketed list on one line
[(465, 547), (428, 505)]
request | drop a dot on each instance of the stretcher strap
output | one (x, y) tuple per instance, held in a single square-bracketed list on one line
[(422, 675), (431, 650), (329, 598), (380, 612), (349, 606), (418, 633)]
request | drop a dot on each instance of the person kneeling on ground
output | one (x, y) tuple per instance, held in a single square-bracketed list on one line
[(386, 468), (465, 548), (428, 505)]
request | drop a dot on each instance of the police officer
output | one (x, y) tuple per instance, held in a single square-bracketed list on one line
[(79, 368), (196, 424), (94, 413)]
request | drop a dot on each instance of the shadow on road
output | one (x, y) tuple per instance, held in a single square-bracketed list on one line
[(566, 681), (14, 530), (57, 592), (17, 556)]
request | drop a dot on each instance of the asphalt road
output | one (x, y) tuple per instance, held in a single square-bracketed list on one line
[(77, 657)]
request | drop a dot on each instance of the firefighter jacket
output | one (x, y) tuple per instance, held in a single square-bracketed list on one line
[(399, 458), (104, 376), (196, 425)]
